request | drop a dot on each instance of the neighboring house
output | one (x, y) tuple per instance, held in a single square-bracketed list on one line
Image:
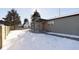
[(26, 25), (40, 25), (66, 24)]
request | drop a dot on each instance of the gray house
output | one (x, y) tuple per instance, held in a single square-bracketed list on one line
[(39, 24), (66, 24)]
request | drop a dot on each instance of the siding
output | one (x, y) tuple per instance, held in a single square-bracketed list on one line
[(68, 25)]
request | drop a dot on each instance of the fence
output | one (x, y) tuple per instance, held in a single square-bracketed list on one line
[(4, 30)]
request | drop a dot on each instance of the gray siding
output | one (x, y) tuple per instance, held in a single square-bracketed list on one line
[(68, 25)]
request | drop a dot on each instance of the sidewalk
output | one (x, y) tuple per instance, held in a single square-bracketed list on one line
[(64, 36)]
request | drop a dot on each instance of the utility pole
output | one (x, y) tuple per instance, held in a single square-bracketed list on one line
[(59, 12)]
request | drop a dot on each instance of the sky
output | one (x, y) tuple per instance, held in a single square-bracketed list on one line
[(46, 13)]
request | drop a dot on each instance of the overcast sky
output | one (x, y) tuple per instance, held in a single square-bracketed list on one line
[(47, 13)]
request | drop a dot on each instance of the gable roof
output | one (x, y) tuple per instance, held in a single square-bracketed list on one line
[(41, 19), (65, 16)]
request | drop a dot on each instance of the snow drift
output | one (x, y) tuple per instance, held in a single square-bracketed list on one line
[(25, 40)]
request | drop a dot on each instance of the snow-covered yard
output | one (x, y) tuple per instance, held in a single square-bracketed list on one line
[(25, 40)]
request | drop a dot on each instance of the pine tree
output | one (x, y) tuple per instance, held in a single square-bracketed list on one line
[(12, 18), (25, 20)]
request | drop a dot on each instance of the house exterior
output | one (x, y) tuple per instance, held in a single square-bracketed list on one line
[(40, 25), (26, 25), (67, 24)]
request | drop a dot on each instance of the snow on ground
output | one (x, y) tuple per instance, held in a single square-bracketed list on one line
[(25, 40), (12, 37)]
